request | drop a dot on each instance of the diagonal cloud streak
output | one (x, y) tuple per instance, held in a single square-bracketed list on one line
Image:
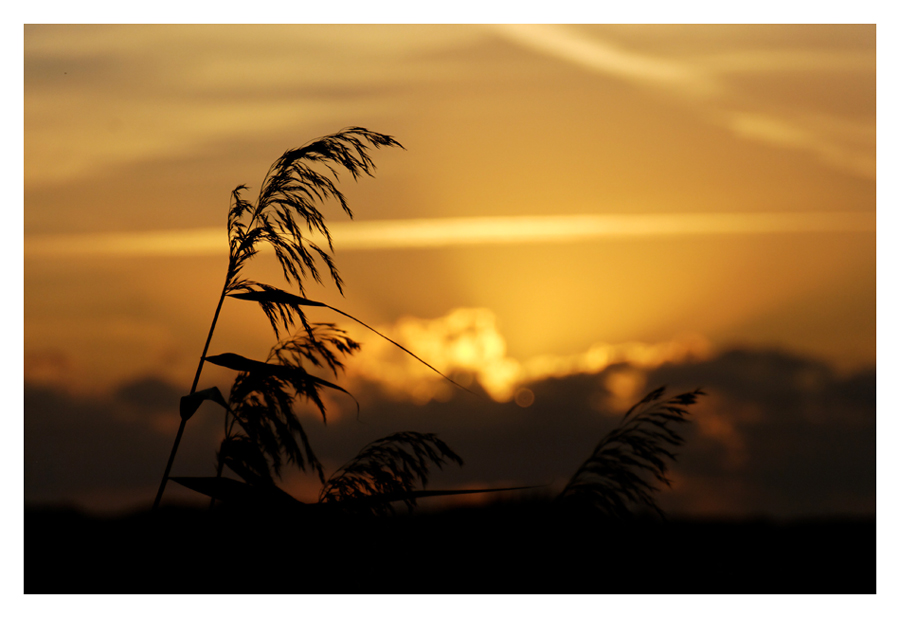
[(604, 57), (701, 81)]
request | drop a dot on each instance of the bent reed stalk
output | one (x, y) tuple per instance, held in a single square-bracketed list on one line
[(291, 188)]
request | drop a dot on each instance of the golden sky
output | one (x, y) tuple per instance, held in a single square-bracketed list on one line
[(569, 197), (584, 183)]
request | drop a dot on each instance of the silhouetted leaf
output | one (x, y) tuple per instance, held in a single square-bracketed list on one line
[(277, 296), (237, 362), (268, 296), (189, 403)]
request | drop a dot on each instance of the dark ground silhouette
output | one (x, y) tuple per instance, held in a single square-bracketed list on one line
[(509, 547)]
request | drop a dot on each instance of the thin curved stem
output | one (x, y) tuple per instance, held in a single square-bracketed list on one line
[(165, 478), (212, 328)]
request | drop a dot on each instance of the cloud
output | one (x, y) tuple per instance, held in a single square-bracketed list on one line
[(704, 81), (778, 434), (787, 60), (464, 231), (149, 392), (800, 437), (792, 134), (596, 54), (106, 452), (773, 421), (467, 342), (101, 97)]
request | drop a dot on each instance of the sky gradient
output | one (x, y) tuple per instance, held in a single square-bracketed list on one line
[(580, 214)]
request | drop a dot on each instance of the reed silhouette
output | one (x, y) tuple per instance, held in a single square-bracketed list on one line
[(613, 480), (262, 431)]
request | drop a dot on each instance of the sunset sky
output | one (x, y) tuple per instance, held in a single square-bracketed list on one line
[(581, 213)]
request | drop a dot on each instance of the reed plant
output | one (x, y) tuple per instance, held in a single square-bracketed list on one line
[(262, 430), (630, 463)]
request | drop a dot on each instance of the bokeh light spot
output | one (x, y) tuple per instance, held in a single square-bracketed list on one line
[(524, 397)]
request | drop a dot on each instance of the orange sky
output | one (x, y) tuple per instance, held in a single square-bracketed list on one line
[(143, 128), (569, 197)]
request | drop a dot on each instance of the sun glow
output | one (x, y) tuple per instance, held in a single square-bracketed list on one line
[(468, 342)]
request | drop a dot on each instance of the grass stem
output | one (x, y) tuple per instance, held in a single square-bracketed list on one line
[(162, 485), (212, 328)]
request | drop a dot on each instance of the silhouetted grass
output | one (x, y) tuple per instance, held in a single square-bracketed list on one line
[(614, 479), (261, 402), (388, 469), (262, 431)]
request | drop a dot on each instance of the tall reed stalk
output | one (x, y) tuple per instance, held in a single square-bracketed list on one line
[(285, 209)]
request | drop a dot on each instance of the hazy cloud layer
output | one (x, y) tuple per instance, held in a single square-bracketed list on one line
[(778, 435), (107, 452), (712, 84)]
